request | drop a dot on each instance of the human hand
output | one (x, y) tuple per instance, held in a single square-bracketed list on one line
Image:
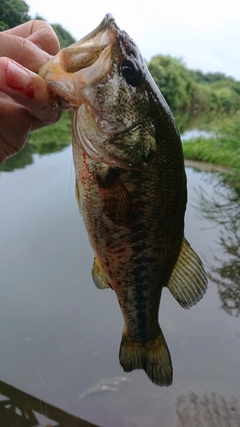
[(26, 102)]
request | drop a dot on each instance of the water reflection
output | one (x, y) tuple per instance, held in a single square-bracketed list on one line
[(60, 337), (58, 136), (105, 385), (49, 139), (223, 208), (18, 408), (19, 161), (209, 409)]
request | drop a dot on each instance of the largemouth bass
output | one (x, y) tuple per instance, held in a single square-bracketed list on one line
[(130, 187)]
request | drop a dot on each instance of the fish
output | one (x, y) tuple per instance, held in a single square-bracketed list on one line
[(130, 187)]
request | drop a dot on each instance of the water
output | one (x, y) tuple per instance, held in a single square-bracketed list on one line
[(60, 335), (196, 133)]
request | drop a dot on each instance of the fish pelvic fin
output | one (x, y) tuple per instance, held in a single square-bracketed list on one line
[(153, 357), (98, 276), (188, 281)]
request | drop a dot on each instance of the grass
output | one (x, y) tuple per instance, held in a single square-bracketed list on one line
[(213, 150), (223, 149)]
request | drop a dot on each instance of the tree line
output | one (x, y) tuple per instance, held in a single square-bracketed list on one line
[(185, 90), (193, 91), (16, 12)]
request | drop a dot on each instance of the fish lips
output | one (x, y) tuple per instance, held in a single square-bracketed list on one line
[(65, 72), (70, 84), (79, 66)]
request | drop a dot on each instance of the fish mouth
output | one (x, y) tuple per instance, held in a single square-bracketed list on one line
[(68, 72), (108, 19), (74, 74)]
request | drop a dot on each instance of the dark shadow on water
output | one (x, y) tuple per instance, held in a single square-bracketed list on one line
[(19, 409)]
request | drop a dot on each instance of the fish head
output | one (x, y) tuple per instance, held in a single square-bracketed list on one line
[(104, 77)]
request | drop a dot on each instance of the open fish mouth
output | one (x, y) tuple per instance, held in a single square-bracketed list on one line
[(68, 72), (88, 75)]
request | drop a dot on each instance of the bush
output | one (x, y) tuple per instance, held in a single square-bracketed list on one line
[(173, 80)]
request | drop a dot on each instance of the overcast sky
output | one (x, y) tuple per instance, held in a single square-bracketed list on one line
[(205, 34)]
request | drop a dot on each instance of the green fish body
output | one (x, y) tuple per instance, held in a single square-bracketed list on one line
[(130, 187)]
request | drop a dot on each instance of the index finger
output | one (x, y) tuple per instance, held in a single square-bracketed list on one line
[(22, 51), (38, 32)]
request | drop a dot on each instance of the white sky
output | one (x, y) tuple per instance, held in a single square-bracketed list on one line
[(204, 33)]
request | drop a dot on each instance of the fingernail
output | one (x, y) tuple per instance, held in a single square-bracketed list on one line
[(17, 76)]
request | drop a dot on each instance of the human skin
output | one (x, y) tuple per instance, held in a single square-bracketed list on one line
[(26, 102)]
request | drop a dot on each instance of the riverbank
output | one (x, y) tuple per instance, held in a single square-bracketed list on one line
[(221, 149), (204, 166)]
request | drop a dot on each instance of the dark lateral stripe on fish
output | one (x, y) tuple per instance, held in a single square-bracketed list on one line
[(140, 301)]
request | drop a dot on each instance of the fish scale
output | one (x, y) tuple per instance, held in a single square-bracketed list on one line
[(130, 187)]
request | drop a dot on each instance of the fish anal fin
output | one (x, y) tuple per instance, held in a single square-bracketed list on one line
[(153, 357), (98, 276), (188, 281)]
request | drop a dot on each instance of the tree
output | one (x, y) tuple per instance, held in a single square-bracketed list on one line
[(174, 81), (3, 26), (64, 37), (201, 77), (12, 13)]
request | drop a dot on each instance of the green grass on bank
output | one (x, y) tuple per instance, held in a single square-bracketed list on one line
[(211, 151), (214, 151), (223, 149)]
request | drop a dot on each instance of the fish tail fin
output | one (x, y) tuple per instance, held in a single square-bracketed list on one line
[(153, 357)]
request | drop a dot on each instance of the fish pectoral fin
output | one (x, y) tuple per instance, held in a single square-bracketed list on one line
[(188, 281), (153, 357), (78, 197), (98, 276), (117, 204)]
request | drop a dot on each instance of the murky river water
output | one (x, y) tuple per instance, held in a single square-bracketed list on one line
[(60, 335)]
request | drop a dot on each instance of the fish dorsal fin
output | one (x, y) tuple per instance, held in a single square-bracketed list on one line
[(98, 276), (188, 281)]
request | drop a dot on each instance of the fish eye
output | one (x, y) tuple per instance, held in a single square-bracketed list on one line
[(131, 72)]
